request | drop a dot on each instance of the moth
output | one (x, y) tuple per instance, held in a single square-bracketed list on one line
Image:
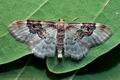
[(60, 39)]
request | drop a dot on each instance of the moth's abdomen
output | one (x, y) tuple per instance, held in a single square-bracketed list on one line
[(60, 41)]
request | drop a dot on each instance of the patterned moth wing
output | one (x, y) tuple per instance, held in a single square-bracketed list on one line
[(64, 39), (39, 35), (80, 37)]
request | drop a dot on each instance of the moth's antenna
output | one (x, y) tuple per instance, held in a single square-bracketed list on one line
[(76, 18)]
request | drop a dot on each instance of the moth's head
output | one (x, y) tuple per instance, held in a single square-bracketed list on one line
[(61, 20), (60, 24)]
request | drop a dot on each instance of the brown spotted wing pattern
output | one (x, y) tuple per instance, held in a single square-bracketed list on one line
[(49, 39)]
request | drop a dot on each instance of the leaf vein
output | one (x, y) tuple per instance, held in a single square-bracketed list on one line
[(20, 73), (102, 9), (37, 9), (29, 15)]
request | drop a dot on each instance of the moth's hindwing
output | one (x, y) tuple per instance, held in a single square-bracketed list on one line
[(47, 46), (73, 48)]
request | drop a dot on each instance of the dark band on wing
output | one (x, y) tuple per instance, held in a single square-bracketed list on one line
[(42, 23)]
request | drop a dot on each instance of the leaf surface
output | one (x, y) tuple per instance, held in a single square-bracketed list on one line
[(102, 11)]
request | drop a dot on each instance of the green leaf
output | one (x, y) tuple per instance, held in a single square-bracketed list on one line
[(11, 50), (102, 11), (29, 67), (26, 68)]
